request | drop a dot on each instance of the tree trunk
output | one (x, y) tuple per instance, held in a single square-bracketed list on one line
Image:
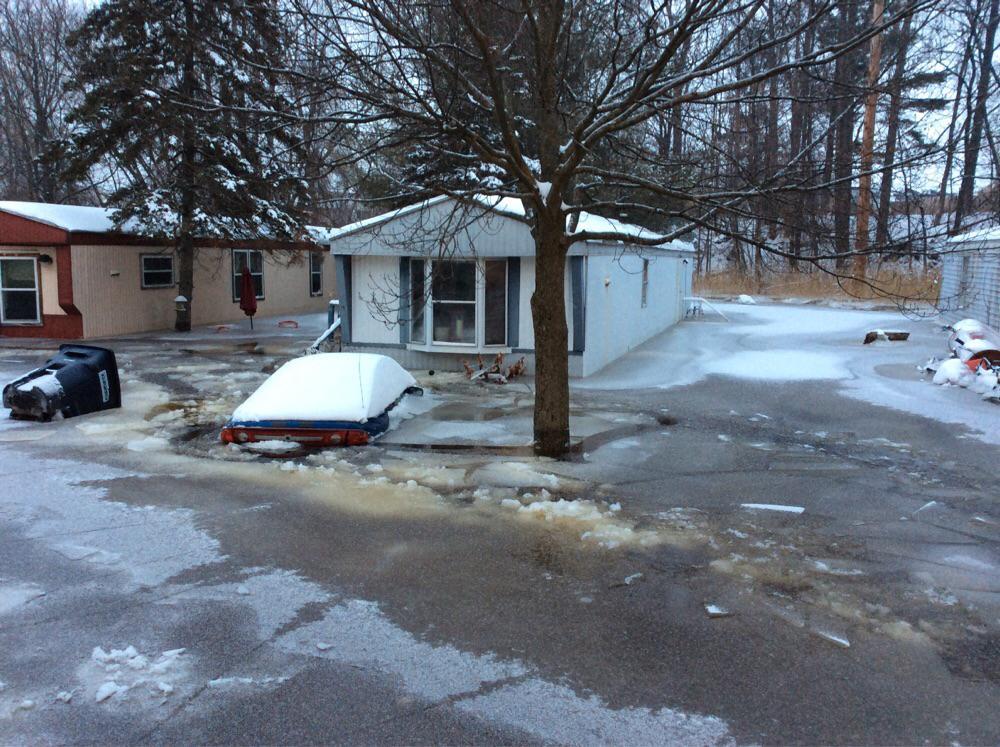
[(185, 237), (843, 160), (892, 137), (867, 148), (967, 190), (548, 314), (950, 143)]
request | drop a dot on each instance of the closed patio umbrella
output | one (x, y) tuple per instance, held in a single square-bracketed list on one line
[(248, 295)]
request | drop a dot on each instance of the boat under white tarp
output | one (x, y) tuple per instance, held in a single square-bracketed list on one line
[(328, 399)]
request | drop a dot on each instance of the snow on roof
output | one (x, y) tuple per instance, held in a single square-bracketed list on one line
[(97, 219), (510, 206), (340, 387), (66, 217), (977, 234)]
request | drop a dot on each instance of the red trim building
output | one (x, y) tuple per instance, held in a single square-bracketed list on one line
[(65, 273)]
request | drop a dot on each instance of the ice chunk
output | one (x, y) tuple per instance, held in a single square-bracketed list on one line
[(772, 507), (745, 299), (108, 690), (834, 638), (714, 610)]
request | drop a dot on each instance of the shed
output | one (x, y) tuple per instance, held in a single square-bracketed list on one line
[(970, 276), (442, 281), (66, 273)]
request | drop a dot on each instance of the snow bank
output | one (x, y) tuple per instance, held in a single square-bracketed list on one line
[(349, 387)]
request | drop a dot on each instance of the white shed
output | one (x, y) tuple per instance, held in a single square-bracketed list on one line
[(970, 277), (440, 281)]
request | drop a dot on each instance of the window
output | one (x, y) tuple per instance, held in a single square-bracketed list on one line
[(315, 273), (19, 291), (157, 270), (453, 298), (495, 302), (253, 259), (418, 290), (645, 282)]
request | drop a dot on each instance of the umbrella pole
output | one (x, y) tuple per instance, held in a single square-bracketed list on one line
[(251, 321)]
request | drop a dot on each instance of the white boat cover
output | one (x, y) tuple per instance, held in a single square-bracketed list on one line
[(339, 387)]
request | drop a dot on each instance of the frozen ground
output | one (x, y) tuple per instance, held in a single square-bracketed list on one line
[(767, 532)]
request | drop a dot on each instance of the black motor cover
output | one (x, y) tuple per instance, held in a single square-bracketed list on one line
[(77, 380)]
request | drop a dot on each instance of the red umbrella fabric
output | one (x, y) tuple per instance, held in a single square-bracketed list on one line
[(248, 295)]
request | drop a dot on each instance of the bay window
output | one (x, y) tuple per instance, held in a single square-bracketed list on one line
[(457, 302)]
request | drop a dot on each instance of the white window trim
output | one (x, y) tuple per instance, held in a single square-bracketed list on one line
[(142, 271), (232, 271), (429, 344), (38, 295), (645, 284)]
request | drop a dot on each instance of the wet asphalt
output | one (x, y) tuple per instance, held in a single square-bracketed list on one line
[(895, 552)]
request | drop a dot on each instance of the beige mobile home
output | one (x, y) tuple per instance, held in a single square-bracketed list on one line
[(66, 274)]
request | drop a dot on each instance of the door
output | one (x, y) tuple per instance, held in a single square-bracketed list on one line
[(19, 301)]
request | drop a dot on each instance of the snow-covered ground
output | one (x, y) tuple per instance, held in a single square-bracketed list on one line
[(789, 343), (733, 511)]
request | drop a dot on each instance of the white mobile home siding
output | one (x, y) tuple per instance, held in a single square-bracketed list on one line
[(615, 317), (970, 282)]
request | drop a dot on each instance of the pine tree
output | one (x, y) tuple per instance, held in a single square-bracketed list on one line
[(182, 103)]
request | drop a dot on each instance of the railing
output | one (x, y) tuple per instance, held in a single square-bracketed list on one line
[(333, 318)]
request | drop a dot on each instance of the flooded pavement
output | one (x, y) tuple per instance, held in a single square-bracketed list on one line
[(727, 560)]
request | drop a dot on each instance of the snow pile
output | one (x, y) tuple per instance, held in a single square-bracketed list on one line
[(954, 372), (986, 382), (121, 671), (518, 475), (595, 525), (745, 299), (346, 387)]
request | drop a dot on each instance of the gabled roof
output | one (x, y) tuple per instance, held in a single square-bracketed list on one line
[(509, 206)]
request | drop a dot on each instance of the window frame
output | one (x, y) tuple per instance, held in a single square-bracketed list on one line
[(424, 313), (236, 277), (506, 301), (142, 271), (427, 341), (313, 273), (432, 300), (37, 290)]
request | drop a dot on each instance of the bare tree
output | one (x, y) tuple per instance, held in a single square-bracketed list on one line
[(556, 103), (35, 66)]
